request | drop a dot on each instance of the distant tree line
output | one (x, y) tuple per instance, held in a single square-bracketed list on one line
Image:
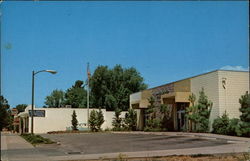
[(5, 114), (109, 88)]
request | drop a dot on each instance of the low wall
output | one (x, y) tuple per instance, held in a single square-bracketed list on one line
[(59, 119)]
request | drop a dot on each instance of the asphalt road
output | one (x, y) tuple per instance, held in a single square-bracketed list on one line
[(96, 143)]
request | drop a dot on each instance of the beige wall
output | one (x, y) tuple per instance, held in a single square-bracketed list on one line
[(237, 83), (210, 84), (182, 86), (58, 119)]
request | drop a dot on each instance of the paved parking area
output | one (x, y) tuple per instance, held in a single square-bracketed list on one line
[(96, 143), (110, 145)]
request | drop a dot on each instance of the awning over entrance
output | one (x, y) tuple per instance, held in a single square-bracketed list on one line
[(139, 100), (178, 96)]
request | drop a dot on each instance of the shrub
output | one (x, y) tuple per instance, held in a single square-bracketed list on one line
[(100, 119), (233, 127), (117, 121), (74, 121), (130, 120), (96, 120), (166, 116), (93, 121), (153, 125), (220, 125), (225, 126), (36, 139), (152, 122)]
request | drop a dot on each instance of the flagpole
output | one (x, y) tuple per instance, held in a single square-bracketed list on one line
[(88, 96)]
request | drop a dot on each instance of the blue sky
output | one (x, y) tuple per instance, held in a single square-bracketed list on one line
[(164, 41)]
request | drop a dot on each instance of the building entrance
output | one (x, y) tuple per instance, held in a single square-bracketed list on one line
[(181, 116)]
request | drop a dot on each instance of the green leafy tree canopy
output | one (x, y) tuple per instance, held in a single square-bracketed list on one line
[(21, 107), (111, 88), (55, 99), (5, 114), (76, 96), (245, 114)]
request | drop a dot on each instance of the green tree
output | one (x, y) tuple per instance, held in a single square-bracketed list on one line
[(76, 96), (130, 119), (166, 116), (204, 109), (111, 87), (192, 113), (100, 119), (199, 113), (110, 102), (192, 99), (96, 120), (74, 121), (193, 117), (21, 107), (99, 86), (5, 114), (93, 121), (245, 116), (152, 122), (117, 120), (55, 99)]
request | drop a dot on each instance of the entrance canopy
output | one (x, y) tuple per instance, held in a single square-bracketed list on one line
[(178, 96)]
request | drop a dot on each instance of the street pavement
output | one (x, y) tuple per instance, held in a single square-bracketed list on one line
[(111, 145)]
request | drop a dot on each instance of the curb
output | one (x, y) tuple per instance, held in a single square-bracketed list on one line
[(232, 139)]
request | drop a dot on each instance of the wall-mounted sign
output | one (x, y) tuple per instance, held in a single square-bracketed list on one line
[(38, 113)]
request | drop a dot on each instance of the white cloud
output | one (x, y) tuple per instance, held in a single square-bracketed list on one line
[(240, 68)]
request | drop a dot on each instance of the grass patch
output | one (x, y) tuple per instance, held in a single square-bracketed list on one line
[(36, 139)]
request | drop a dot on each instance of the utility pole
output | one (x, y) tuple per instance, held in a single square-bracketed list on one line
[(1, 48), (88, 72), (32, 102)]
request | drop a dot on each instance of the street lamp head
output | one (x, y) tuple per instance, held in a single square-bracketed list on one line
[(51, 71)]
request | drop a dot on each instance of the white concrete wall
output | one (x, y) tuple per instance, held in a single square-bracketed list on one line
[(58, 119), (109, 118), (210, 84), (237, 83)]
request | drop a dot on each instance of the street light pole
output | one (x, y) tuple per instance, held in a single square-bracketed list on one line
[(1, 48), (32, 103), (32, 99)]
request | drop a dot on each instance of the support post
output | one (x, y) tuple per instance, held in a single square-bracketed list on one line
[(32, 104)]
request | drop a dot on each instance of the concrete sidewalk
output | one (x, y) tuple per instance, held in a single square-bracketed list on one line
[(15, 148)]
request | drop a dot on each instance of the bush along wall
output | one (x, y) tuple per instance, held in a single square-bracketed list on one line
[(236, 127)]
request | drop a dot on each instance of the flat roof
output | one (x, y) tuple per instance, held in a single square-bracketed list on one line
[(195, 76)]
